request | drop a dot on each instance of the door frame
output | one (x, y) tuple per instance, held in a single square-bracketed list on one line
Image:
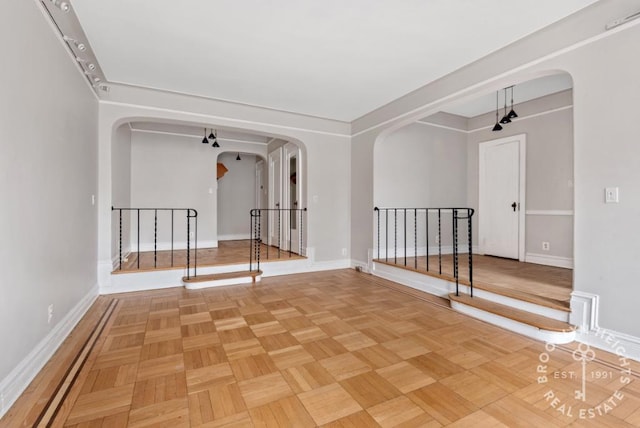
[(522, 154), (273, 157)]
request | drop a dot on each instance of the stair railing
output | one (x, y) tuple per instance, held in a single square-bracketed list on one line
[(419, 219), (276, 220), (191, 217)]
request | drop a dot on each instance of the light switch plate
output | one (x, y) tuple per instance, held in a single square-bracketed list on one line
[(611, 195)]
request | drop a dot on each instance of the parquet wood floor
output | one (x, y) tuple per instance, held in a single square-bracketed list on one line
[(227, 253), (331, 349), (549, 283)]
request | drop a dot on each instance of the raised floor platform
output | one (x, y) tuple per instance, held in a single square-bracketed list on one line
[(539, 284), (530, 299)]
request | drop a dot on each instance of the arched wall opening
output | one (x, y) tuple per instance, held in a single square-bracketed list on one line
[(434, 162), (165, 164)]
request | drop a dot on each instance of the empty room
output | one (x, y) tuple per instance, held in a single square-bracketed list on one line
[(332, 214)]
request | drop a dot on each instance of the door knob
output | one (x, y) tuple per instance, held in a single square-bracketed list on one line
[(514, 206)]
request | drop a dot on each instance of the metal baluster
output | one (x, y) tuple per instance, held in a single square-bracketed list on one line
[(155, 238), (268, 236), (279, 219), (378, 215), (454, 221), (469, 231), (188, 243), (415, 238), (120, 243), (251, 243), (195, 249), (138, 239), (426, 222), (290, 225), (300, 226), (405, 236), (171, 238), (439, 236), (258, 241), (386, 237), (395, 236)]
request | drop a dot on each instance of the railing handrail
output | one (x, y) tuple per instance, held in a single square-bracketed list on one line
[(470, 211), (455, 216), (190, 213)]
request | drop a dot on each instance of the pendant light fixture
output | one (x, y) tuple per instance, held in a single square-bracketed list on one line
[(505, 119), (238, 157), (204, 140), (215, 140), (497, 126), (211, 136), (512, 113)]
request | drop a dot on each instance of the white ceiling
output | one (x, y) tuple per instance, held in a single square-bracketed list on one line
[(333, 58), (522, 92)]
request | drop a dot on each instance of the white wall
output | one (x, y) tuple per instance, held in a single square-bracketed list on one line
[(121, 190), (236, 196), (169, 171), (420, 166), (48, 173)]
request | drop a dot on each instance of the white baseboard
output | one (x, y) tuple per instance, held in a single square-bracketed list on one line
[(364, 266), (426, 283), (236, 237), (544, 259), (584, 315), (153, 280), (21, 376)]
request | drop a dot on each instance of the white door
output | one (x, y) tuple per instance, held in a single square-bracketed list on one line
[(291, 197), (261, 197), (501, 197), (275, 193)]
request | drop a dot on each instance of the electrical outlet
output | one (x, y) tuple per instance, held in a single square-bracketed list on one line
[(437, 238), (49, 313), (545, 246), (344, 251)]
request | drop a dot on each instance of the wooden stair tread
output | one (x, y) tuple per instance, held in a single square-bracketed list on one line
[(538, 321), (222, 276), (525, 297)]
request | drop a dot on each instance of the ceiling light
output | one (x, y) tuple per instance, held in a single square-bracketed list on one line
[(497, 126), (215, 140), (62, 5), (512, 113), (91, 66), (77, 44), (211, 136), (238, 157), (204, 140), (505, 119), (102, 87)]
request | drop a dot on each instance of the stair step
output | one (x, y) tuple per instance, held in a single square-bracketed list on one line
[(538, 321), (525, 297), (224, 278)]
